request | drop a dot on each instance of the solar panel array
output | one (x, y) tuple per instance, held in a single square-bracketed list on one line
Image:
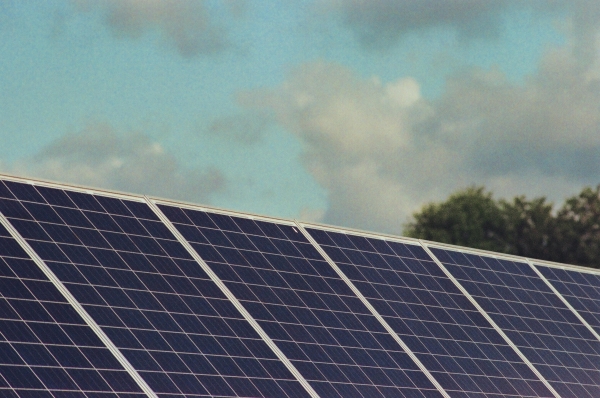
[(580, 289), (463, 351), (143, 289), (46, 349), (114, 295), (544, 329), (303, 305)]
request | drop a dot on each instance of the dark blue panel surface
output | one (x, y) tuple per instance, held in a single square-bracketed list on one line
[(303, 305), (45, 346), (437, 322), (147, 294), (581, 289), (564, 351)]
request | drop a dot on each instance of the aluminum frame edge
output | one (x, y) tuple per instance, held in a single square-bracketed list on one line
[(78, 308), (490, 320), (231, 297), (564, 300), (373, 311)]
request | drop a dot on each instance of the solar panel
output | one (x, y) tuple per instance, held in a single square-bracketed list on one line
[(46, 348), (535, 319), (303, 305), (154, 302), (580, 288), (439, 324), (106, 295)]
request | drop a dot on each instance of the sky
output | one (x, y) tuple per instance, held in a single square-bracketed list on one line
[(345, 112)]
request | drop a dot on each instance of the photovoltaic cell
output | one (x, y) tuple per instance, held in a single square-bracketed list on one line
[(580, 289), (546, 331), (303, 305), (439, 324), (46, 349), (187, 340), (171, 322)]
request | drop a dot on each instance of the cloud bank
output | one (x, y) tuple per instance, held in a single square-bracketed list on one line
[(357, 135), (131, 162), (185, 24), (381, 22), (246, 128), (381, 150)]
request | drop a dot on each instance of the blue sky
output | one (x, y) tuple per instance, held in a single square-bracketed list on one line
[(347, 112)]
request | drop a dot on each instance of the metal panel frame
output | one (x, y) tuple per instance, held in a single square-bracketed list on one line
[(359, 232), (215, 209), (568, 267), (282, 357), (152, 201), (425, 245), (373, 311), (534, 264), (221, 211), (485, 314), (564, 300), (299, 225), (78, 307), (76, 188)]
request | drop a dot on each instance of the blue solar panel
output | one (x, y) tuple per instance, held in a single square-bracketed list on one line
[(46, 349), (303, 305), (187, 339), (141, 286), (580, 289), (548, 333), (439, 324)]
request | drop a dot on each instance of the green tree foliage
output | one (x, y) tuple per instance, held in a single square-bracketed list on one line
[(469, 218), (531, 228), (578, 229)]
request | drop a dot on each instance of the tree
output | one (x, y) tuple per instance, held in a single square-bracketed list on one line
[(578, 229), (528, 228), (469, 218)]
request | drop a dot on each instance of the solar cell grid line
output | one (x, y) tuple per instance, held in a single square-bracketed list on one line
[(153, 301), (430, 314), (579, 288), (47, 349), (233, 299), (301, 303), (371, 308), (489, 319), (534, 318)]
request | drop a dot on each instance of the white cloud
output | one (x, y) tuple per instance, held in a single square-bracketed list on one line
[(355, 131), (186, 24), (130, 162), (380, 150)]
